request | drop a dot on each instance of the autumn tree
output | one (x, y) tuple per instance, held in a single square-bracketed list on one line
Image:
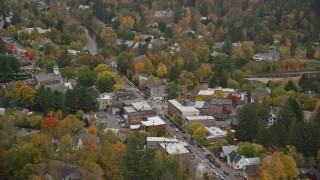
[(48, 123), (108, 36), (148, 67), (203, 54), (127, 22), (162, 70), (277, 166), (250, 149)]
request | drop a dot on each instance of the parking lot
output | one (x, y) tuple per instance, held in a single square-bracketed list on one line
[(108, 119)]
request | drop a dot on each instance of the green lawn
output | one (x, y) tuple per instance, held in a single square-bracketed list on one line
[(312, 66), (257, 85)]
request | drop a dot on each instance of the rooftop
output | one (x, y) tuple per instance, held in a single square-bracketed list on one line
[(159, 90), (48, 77), (141, 106), (199, 118), (215, 132), (184, 108), (153, 121), (174, 148), (162, 139), (221, 101)]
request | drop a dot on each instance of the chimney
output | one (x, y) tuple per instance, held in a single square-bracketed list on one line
[(235, 141)]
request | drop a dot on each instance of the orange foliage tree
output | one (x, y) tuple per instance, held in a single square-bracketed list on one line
[(48, 123)]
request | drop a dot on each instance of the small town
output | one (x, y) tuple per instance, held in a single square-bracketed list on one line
[(159, 90)]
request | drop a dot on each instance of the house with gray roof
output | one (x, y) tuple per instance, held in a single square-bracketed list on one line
[(70, 174), (49, 79), (271, 55), (226, 150)]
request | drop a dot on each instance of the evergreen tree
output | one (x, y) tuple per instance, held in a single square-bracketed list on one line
[(173, 73), (291, 86), (294, 105), (248, 119), (204, 9), (86, 79), (304, 82)]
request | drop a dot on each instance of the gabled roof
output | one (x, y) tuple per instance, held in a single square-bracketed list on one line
[(122, 137), (70, 174), (48, 77), (228, 149), (234, 157)]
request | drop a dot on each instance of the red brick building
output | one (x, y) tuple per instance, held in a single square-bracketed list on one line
[(137, 112), (220, 109)]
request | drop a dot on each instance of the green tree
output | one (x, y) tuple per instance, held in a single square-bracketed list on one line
[(124, 62), (68, 72), (203, 54), (291, 86), (86, 79), (173, 90), (197, 131), (9, 65), (26, 172), (248, 119), (204, 9), (104, 84), (2, 46), (64, 60)]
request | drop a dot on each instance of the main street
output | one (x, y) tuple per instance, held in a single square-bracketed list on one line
[(199, 153)]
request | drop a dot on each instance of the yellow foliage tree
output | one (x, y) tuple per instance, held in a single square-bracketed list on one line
[(278, 166), (92, 130), (11, 30), (108, 36), (197, 131), (100, 68), (127, 22), (162, 70)]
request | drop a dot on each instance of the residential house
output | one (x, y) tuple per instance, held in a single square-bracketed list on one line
[(272, 118), (259, 94), (313, 173), (226, 150), (310, 93), (307, 116), (112, 63), (271, 55), (70, 174), (175, 108), (175, 48), (122, 137), (39, 30), (16, 47), (143, 77), (205, 120), (45, 42), (159, 93), (163, 14), (104, 101), (218, 46), (153, 124), (139, 58), (137, 112), (2, 111), (250, 172), (220, 109), (236, 161), (74, 52)]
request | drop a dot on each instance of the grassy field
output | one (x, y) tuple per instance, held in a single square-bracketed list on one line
[(257, 85), (312, 66)]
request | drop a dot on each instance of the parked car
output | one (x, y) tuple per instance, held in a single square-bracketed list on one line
[(199, 146), (212, 166), (176, 129), (217, 164), (182, 130), (171, 125), (226, 173), (185, 137)]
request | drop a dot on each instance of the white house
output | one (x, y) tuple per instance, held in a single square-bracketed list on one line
[(159, 93), (104, 101), (236, 161), (2, 110)]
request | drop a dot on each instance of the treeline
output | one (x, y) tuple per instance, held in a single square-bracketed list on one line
[(289, 129), (78, 98)]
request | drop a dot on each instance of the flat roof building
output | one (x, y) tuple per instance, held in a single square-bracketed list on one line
[(174, 107)]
